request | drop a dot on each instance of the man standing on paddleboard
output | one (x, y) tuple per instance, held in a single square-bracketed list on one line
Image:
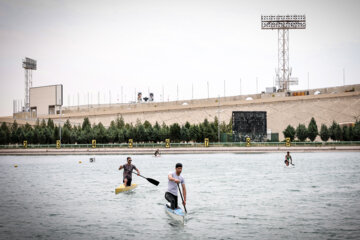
[(288, 159), (127, 175), (175, 178)]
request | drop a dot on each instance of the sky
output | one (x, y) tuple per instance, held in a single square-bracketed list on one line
[(97, 48)]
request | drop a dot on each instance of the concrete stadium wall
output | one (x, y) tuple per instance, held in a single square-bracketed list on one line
[(344, 107), (333, 104)]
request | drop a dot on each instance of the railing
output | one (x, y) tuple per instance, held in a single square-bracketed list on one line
[(177, 145)]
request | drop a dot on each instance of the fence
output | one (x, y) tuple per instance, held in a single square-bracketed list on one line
[(177, 145)]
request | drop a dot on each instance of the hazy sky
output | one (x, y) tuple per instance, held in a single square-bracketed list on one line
[(100, 46)]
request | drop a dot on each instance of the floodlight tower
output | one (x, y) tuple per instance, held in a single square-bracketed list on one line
[(28, 64), (283, 23)]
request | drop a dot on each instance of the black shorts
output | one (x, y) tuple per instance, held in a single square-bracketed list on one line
[(172, 199), (128, 184)]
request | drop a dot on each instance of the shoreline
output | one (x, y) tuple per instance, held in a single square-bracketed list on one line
[(175, 150)]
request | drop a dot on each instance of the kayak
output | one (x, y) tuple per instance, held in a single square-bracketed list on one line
[(177, 214), (122, 188)]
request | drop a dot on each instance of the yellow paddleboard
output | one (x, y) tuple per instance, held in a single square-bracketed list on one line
[(122, 188)]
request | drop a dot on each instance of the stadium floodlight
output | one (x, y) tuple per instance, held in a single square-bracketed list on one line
[(283, 23), (28, 64)]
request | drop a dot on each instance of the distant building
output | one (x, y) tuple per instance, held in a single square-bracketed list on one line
[(46, 100)]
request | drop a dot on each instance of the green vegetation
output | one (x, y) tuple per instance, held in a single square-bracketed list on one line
[(324, 133), (118, 132), (335, 132), (289, 132), (312, 130), (301, 132)]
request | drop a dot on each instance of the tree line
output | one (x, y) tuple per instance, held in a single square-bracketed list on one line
[(334, 132), (46, 132)]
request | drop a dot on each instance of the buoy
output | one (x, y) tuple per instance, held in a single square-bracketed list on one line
[(15, 165), (79, 161)]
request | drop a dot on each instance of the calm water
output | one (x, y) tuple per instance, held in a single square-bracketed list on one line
[(230, 196)]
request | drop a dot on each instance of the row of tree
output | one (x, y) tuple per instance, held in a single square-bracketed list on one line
[(335, 132), (118, 132)]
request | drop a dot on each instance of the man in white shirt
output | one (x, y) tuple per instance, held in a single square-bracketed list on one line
[(174, 179)]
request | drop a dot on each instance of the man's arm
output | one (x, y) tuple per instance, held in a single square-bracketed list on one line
[(137, 171), (173, 179), (121, 167), (184, 192)]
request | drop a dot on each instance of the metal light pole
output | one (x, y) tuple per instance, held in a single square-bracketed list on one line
[(219, 118), (283, 23), (60, 125), (208, 89)]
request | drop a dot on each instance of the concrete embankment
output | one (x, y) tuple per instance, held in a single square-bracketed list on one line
[(192, 150)]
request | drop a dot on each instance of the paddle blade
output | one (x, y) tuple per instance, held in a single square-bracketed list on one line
[(153, 181)]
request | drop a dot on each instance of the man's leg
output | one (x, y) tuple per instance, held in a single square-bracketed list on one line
[(170, 198), (129, 182), (125, 182), (176, 202)]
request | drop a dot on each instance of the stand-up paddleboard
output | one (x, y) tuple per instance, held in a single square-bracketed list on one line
[(122, 188), (176, 214)]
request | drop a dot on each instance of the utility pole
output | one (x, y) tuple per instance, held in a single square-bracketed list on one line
[(60, 125), (240, 86), (224, 89), (219, 118), (177, 92), (192, 91), (122, 99), (208, 89), (308, 81), (163, 96)]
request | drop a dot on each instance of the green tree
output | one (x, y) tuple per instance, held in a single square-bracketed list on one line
[(42, 135), (338, 133), (49, 136), (312, 130), (43, 124), (86, 124), (140, 135), (14, 137), (66, 135), (347, 133), (121, 135), (356, 131), (175, 134), (3, 137), (301, 132), (99, 133), (67, 125), (324, 133), (289, 132), (164, 132), (185, 134), (194, 132), (111, 134), (156, 133), (332, 130), (120, 122), (50, 124), (5, 133)]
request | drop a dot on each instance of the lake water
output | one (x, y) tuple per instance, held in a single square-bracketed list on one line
[(230, 196)]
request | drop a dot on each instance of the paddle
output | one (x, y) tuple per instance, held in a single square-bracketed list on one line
[(182, 198), (153, 181)]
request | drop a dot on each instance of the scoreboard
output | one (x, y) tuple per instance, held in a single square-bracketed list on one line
[(249, 124)]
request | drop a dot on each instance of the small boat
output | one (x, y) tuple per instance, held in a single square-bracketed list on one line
[(177, 214), (122, 188)]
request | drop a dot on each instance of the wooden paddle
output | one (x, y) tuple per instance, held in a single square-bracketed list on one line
[(182, 198), (153, 181)]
